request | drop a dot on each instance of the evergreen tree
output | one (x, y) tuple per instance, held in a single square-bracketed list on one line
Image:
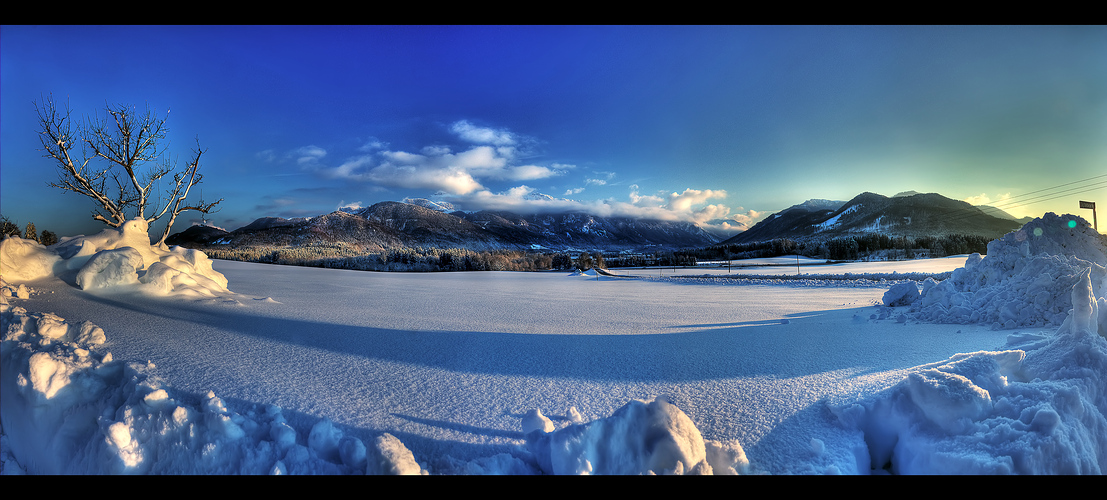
[(48, 238), (30, 233)]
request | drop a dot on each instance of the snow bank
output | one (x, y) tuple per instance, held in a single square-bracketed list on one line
[(25, 260), (1039, 410), (69, 408), (1025, 279), (120, 259), (642, 437), (901, 294)]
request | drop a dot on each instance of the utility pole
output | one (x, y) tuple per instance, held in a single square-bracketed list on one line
[(1091, 205)]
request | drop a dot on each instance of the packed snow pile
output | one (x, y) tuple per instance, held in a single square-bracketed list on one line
[(1024, 281), (1035, 410), (114, 259), (69, 408), (901, 294), (25, 260), (652, 437)]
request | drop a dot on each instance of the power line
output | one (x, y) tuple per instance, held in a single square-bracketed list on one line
[(1057, 186), (1012, 202)]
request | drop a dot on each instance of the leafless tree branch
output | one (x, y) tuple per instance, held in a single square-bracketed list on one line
[(127, 146)]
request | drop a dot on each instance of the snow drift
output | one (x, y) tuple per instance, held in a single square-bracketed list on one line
[(69, 408), (115, 259), (1038, 406), (1025, 279), (642, 437), (1038, 409)]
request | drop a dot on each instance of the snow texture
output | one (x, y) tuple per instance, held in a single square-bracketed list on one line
[(1036, 406), (640, 438), (1034, 411), (1025, 279), (901, 294)]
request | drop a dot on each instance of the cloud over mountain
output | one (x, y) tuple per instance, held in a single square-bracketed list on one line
[(484, 169), (488, 154)]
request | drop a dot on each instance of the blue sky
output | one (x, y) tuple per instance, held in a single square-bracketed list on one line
[(716, 125)]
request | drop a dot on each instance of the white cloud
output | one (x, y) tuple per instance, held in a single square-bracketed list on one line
[(983, 199), (373, 144), (351, 169), (450, 179), (676, 207), (309, 155), (491, 155), (683, 201), (482, 135), (437, 168), (644, 200), (528, 172), (267, 156), (728, 225), (601, 178)]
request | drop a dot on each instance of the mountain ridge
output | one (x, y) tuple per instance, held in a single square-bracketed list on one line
[(393, 224), (906, 214)]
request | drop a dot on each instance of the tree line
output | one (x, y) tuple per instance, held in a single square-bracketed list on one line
[(9, 228), (868, 245), (340, 255)]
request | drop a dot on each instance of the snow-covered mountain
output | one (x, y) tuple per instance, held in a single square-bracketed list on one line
[(393, 224), (906, 214), (441, 206)]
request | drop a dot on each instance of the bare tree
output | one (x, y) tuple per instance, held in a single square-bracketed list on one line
[(122, 159), (8, 228)]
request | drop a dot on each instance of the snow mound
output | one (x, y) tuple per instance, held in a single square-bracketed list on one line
[(115, 259), (642, 437), (25, 260), (1025, 279), (902, 294), (75, 410), (1038, 411)]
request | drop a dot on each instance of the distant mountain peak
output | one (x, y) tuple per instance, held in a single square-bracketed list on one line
[(538, 197), (818, 204), (424, 223), (906, 214), (441, 206)]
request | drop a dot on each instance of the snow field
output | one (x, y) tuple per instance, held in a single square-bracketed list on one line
[(69, 409), (351, 372)]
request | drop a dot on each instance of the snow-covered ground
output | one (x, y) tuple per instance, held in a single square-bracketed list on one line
[(787, 266), (302, 370)]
